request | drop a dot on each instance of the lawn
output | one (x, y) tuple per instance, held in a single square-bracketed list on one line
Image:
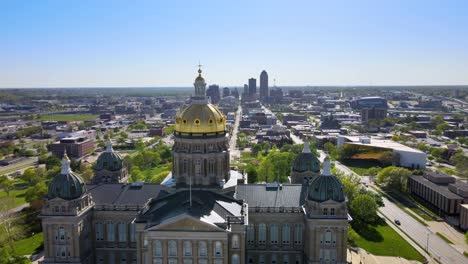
[(68, 117), (30, 245), (361, 166), (18, 196), (382, 240)]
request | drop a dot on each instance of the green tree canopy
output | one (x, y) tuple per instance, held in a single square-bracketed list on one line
[(395, 178), (364, 208)]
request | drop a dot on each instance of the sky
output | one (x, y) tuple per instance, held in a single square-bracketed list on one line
[(154, 43)]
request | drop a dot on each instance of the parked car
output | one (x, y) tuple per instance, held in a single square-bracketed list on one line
[(397, 222)]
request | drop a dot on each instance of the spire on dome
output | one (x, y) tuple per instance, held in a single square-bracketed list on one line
[(65, 164), (109, 146), (326, 167), (306, 147), (199, 84)]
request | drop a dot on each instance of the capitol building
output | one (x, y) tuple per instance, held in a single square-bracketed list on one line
[(203, 212)]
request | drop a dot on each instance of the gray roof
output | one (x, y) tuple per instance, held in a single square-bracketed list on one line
[(258, 195), (124, 194), (206, 205), (440, 189)]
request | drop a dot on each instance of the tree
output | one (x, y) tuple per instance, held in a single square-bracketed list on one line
[(35, 195), (6, 184), (30, 176), (52, 161), (395, 178), (364, 209), (252, 174), (86, 172), (9, 231), (461, 163)]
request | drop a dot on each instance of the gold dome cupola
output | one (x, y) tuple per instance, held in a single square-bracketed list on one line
[(200, 118)]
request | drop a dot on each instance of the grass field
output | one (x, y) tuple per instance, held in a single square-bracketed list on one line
[(30, 245), (68, 117), (361, 166), (382, 240), (18, 196)]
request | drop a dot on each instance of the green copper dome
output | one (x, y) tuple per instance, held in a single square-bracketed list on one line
[(109, 160), (326, 186), (306, 161), (68, 185)]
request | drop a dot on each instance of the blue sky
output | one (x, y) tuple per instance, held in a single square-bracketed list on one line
[(159, 43)]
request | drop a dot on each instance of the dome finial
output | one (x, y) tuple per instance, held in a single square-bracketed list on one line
[(326, 167), (199, 69), (65, 164), (109, 146)]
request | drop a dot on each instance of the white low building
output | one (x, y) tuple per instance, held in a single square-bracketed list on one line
[(409, 157)]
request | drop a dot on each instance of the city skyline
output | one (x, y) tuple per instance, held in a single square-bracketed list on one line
[(112, 44)]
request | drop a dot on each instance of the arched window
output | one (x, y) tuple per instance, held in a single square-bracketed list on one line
[(250, 234), (274, 234), (218, 249), (235, 259), (202, 249), (187, 248), (157, 248), (261, 233), (286, 234), (235, 241), (172, 248)]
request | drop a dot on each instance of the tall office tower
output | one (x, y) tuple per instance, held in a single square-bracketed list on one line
[(213, 93), (252, 86), (226, 92), (235, 93), (263, 84), (246, 89)]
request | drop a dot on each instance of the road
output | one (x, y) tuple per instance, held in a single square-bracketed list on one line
[(438, 248), (22, 165), (234, 151)]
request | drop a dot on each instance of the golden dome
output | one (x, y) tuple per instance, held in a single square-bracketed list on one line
[(200, 118)]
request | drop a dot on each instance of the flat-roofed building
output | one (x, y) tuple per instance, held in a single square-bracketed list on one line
[(76, 147), (440, 191), (407, 157), (464, 217)]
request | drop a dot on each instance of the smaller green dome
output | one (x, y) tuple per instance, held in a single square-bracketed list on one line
[(306, 161), (68, 185), (326, 186), (109, 160)]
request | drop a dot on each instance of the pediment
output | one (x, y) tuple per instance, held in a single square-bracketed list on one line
[(186, 223)]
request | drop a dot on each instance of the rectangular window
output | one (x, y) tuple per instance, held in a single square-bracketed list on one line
[(122, 232), (99, 232), (274, 234), (261, 233), (132, 232), (250, 234), (332, 211), (286, 234), (110, 232), (325, 211), (298, 234)]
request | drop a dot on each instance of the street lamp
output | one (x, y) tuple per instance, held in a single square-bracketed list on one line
[(427, 242)]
